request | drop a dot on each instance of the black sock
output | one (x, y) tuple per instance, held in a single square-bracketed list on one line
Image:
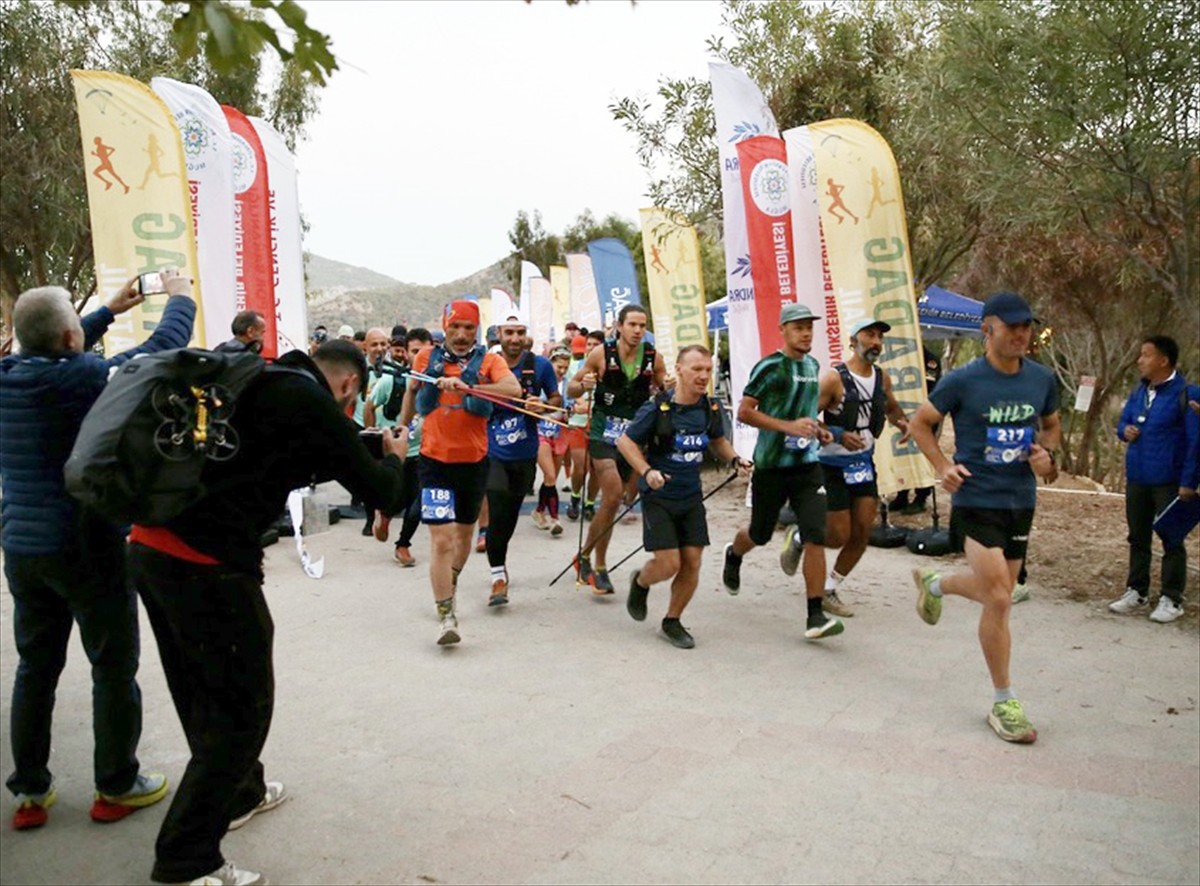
[(814, 607), (667, 621)]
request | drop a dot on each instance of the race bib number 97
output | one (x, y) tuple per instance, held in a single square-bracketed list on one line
[(1008, 444), (437, 505)]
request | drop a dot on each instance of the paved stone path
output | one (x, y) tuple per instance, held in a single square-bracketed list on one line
[(563, 742)]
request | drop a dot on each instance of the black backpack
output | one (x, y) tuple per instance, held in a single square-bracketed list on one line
[(144, 443)]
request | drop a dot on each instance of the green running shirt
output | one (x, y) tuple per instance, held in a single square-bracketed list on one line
[(787, 389)]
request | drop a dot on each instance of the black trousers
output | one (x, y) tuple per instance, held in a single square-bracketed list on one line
[(507, 483), (214, 635), (410, 508), (1142, 505)]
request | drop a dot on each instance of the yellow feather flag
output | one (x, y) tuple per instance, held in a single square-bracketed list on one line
[(676, 283), (138, 197)]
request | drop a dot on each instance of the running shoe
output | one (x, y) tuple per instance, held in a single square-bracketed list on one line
[(540, 519), (677, 634), (589, 512), (147, 790), (929, 607), (31, 810), (1008, 720), (275, 794), (448, 633), (1166, 611), (820, 626), (499, 595), (556, 528), (230, 875), (573, 508), (602, 585), (793, 548), (731, 575), (382, 526), (635, 605), (481, 542), (1129, 601), (832, 603), (404, 557), (1021, 593)]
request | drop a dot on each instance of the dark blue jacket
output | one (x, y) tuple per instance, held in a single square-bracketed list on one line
[(43, 399), (1168, 429)]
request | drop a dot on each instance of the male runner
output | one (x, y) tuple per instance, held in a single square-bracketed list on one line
[(583, 501), (553, 451), (675, 429), (622, 375), (861, 398), (997, 402), (454, 447), (782, 399), (513, 449)]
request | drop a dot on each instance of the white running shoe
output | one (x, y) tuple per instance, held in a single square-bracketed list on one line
[(229, 875), (1166, 611), (448, 633), (1128, 602), (276, 794), (793, 549), (541, 519)]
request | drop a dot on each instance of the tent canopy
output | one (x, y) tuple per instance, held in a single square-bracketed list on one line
[(946, 314), (718, 315)]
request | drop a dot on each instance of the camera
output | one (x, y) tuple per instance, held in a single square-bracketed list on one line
[(151, 283), (320, 335)]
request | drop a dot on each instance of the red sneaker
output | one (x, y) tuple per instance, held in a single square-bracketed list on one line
[(31, 811)]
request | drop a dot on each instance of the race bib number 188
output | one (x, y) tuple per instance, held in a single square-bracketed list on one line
[(437, 504)]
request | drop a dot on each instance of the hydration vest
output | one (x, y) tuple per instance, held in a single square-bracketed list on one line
[(662, 439), (854, 406), (429, 396), (616, 388)]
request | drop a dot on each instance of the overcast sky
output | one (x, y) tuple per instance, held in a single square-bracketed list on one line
[(446, 118)]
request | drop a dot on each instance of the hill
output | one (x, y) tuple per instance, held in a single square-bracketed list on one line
[(340, 293)]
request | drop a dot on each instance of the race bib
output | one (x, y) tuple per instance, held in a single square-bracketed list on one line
[(613, 428), (437, 505), (548, 429), (794, 443), (689, 448), (858, 472), (1007, 444), (510, 430)]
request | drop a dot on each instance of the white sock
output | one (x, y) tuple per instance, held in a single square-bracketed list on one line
[(499, 573), (935, 586), (835, 579)]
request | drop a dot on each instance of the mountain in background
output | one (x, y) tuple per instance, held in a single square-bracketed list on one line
[(340, 293)]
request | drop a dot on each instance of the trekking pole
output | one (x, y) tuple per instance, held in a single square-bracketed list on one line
[(587, 463), (715, 490), (615, 521)]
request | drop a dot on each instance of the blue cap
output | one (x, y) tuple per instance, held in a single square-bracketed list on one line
[(1009, 307)]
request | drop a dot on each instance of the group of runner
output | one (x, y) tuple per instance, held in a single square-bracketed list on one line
[(489, 419)]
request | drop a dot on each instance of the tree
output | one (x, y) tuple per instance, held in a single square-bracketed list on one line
[(530, 243)]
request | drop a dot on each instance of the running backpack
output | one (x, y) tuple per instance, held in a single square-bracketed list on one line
[(429, 397), (144, 443)]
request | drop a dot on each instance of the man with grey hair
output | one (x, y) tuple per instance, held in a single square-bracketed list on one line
[(64, 564)]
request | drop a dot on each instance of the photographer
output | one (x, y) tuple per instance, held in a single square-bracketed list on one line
[(200, 578)]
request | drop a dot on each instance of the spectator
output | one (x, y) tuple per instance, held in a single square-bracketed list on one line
[(63, 563), (1159, 430), (248, 329), (319, 337), (360, 339), (346, 332)]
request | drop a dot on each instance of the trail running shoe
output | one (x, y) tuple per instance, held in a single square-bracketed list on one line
[(1021, 593), (833, 603), (31, 810), (584, 574), (677, 634), (793, 548), (382, 526), (499, 595), (147, 790), (820, 626), (230, 875), (602, 585), (448, 633), (635, 605), (573, 509), (589, 512), (1008, 720), (404, 557), (556, 528), (731, 575), (929, 607), (275, 794), (540, 520), (1129, 601)]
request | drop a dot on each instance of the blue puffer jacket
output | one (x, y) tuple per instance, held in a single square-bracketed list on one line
[(43, 400), (1157, 457)]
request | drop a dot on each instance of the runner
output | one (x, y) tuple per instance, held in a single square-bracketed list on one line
[(454, 445), (623, 375), (582, 501), (862, 398), (782, 399), (513, 449), (552, 451), (675, 429), (997, 402)]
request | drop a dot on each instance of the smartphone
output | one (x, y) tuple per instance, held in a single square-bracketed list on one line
[(151, 283)]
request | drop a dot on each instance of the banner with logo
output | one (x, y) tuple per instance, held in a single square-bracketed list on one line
[(585, 305), (560, 290), (615, 275), (862, 216), (502, 305), (541, 312), (814, 283), (287, 248), (138, 200), (675, 283), (207, 149), (252, 226), (741, 112)]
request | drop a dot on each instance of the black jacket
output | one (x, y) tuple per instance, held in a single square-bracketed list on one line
[(292, 433)]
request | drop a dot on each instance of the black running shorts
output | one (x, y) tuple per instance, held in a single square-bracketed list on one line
[(598, 449), (803, 486), (992, 528), (670, 525), (451, 492), (840, 494)]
